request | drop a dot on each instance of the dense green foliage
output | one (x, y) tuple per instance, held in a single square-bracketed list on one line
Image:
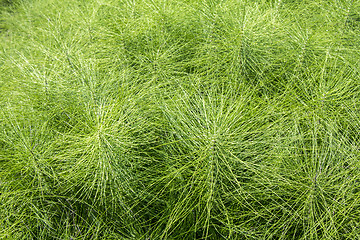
[(180, 119)]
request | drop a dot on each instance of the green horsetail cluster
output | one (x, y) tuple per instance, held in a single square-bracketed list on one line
[(180, 119)]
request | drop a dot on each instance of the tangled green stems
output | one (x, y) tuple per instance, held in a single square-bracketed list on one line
[(157, 119)]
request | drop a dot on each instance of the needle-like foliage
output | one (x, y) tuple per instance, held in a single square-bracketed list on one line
[(179, 119)]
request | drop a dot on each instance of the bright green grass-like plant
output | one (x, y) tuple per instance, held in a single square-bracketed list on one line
[(159, 119)]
